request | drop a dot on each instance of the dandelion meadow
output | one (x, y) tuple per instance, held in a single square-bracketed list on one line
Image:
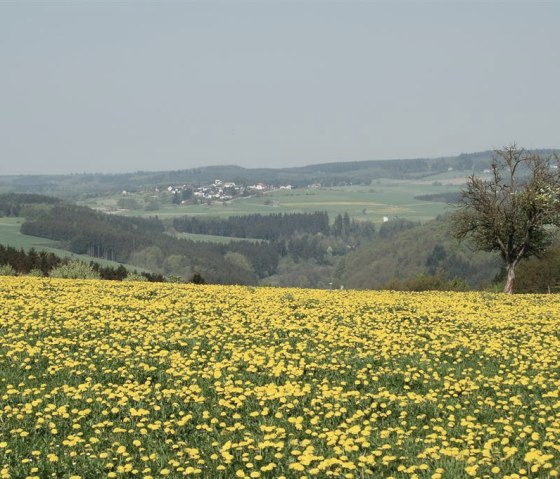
[(120, 380)]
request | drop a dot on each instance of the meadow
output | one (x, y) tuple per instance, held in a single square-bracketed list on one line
[(108, 379), (10, 235), (392, 198)]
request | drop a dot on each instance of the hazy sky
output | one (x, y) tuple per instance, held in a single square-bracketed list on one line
[(127, 86)]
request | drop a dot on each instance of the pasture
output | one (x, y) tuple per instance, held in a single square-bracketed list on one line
[(391, 198), (10, 235)]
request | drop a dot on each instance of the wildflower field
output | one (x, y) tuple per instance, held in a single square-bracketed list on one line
[(107, 379)]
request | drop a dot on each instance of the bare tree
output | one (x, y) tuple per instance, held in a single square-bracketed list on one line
[(516, 211)]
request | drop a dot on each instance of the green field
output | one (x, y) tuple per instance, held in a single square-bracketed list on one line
[(391, 198), (10, 235)]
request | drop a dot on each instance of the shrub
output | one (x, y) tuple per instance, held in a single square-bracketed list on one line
[(197, 279), (135, 277), (36, 272), (7, 270), (75, 270), (425, 282)]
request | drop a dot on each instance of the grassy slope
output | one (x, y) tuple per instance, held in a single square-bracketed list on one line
[(10, 235), (404, 256)]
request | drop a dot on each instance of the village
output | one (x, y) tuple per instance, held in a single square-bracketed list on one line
[(218, 191)]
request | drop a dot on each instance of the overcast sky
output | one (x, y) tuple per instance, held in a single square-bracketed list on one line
[(127, 86)]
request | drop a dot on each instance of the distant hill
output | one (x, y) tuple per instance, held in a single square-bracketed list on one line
[(77, 186)]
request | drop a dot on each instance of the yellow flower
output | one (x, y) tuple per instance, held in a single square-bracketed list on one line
[(471, 470)]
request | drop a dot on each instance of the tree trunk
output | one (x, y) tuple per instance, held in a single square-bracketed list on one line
[(508, 288)]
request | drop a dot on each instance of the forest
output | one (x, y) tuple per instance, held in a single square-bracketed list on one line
[(266, 227)]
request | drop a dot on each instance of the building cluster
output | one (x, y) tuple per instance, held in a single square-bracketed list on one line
[(220, 190)]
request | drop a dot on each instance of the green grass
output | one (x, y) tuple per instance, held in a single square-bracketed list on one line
[(364, 203), (10, 235)]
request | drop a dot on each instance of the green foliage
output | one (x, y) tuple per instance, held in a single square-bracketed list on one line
[(23, 262), (152, 205), (422, 250), (36, 272), (135, 277), (511, 213), (129, 203), (424, 282), (392, 228), (7, 270), (540, 274), (197, 279), (75, 270), (126, 239), (176, 265), (174, 279), (303, 274), (12, 204), (267, 227), (239, 260), (150, 258)]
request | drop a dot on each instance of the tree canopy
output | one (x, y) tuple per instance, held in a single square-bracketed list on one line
[(516, 211)]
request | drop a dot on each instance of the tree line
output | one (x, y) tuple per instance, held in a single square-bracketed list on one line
[(274, 226), (43, 263), (266, 227), (16, 204), (143, 242)]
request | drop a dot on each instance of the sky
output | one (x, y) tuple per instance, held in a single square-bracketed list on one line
[(127, 86)]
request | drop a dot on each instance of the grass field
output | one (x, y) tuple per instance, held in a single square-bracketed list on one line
[(106, 379), (10, 235), (365, 203)]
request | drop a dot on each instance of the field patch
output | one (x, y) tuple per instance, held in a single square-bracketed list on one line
[(363, 203), (108, 379), (10, 235)]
